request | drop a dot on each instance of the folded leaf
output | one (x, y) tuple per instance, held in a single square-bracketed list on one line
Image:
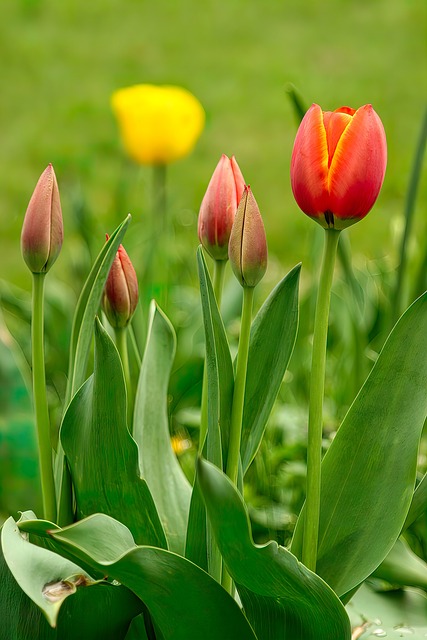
[(281, 597), (368, 473), (102, 455), (158, 463)]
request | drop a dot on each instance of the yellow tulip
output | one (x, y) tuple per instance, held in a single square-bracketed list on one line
[(158, 124)]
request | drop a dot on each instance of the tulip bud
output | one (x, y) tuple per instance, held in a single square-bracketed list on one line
[(121, 291), (219, 207), (247, 249), (338, 164), (42, 231)]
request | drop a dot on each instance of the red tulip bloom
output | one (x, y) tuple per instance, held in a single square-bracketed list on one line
[(121, 291), (219, 207), (338, 164)]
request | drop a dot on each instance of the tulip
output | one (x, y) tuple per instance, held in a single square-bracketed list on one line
[(158, 124), (42, 231), (219, 206), (338, 164), (121, 291), (248, 245)]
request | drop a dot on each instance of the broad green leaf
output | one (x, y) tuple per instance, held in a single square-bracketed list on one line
[(272, 340), (391, 615), (418, 504), (281, 597), (184, 602), (158, 463), (102, 455), (101, 612), (368, 473), (87, 309), (200, 546), (403, 567)]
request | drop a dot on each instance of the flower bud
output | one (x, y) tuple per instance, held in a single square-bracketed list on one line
[(42, 231), (219, 207), (338, 164), (121, 291), (247, 249)]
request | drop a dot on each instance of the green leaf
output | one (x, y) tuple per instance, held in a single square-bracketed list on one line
[(418, 504), (368, 473), (184, 602), (281, 597), (158, 463), (102, 455), (87, 309), (272, 340), (397, 614), (103, 612), (402, 567)]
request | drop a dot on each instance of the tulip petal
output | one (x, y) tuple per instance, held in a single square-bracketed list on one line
[(309, 164), (358, 166)]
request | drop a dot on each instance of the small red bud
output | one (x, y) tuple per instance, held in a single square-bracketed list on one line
[(121, 291), (248, 244), (219, 207), (42, 231)]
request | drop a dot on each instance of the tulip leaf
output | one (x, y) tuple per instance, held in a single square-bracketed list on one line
[(392, 614), (418, 504), (200, 546), (184, 602), (272, 340), (33, 598), (88, 307), (368, 473), (281, 597), (102, 455), (158, 463), (402, 567)]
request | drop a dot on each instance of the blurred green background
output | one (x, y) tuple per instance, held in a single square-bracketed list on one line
[(61, 60)]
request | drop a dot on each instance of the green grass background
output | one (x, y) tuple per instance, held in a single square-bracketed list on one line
[(61, 60)]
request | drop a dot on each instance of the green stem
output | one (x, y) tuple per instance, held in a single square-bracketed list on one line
[(239, 386), (317, 387), (40, 399), (218, 285), (122, 347)]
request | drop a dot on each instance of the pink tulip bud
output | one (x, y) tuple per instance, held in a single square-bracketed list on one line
[(42, 231), (248, 245), (338, 164), (219, 207), (121, 291)]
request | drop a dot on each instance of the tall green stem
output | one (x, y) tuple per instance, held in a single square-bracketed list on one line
[(239, 386), (218, 285), (317, 387), (122, 347), (40, 399)]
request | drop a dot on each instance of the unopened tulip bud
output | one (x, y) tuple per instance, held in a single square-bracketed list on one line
[(219, 207), (121, 291), (247, 249), (338, 164), (42, 231)]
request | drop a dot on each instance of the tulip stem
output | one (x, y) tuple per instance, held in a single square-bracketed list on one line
[(317, 388), (40, 399), (239, 386), (122, 347)]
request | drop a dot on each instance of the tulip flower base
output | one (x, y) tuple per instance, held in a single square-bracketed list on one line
[(134, 544)]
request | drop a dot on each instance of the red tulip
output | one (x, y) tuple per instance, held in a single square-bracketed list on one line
[(248, 245), (219, 207), (338, 164), (42, 231), (121, 291)]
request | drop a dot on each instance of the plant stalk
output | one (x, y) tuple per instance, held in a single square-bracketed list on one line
[(40, 399), (317, 387), (122, 347)]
